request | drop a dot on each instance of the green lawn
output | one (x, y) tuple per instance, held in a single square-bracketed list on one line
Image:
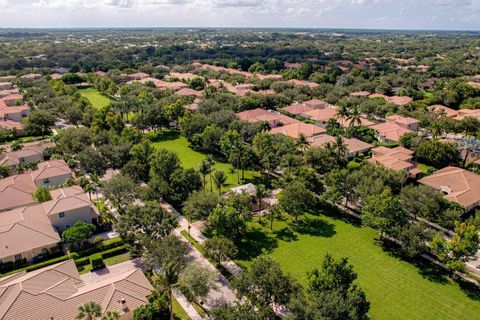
[(190, 158), (97, 99), (396, 289), (425, 169), (178, 311)]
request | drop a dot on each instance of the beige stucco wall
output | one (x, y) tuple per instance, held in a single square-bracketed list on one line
[(53, 181), (85, 214), (29, 254)]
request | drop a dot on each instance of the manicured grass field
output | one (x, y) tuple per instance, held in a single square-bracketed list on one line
[(97, 99), (190, 158), (395, 288), (178, 311)]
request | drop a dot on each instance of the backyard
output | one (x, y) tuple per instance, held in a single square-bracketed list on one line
[(97, 99), (395, 288), (172, 140)]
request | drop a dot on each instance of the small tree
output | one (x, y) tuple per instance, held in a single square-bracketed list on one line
[(219, 249), (89, 311), (295, 199), (196, 281), (219, 178), (80, 232), (42, 194), (462, 247), (273, 212), (111, 315), (120, 190)]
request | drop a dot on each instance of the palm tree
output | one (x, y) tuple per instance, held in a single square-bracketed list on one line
[(355, 117), (205, 167), (265, 126), (219, 178), (211, 161), (111, 315), (107, 218), (302, 142), (168, 278), (341, 149), (89, 311), (89, 187), (331, 126), (261, 193), (342, 113)]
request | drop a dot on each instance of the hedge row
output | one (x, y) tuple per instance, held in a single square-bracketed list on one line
[(105, 245), (38, 265), (105, 254)]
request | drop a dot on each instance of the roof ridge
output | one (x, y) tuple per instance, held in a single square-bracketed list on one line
[(37, 230)]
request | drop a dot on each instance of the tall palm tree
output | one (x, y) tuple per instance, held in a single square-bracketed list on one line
[(219, 178), (302, 142), (211, 161), (205, 167), (89, 187), (331, 126), (261, 193), (167, 279), (111, 315), (341, 149), (342, 113), (89, 311), (355, 117)]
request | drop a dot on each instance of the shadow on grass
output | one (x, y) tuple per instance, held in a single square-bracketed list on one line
[(314, 227), (164, 135), (286, 234), (471, 290), (254, 243), (333, 212)]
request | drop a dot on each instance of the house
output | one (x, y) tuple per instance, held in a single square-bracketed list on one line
[(25, 236), (274, 118), (16, 191), (28, 154), (294, 130), (398, 100), (187, 76), (321, 115), (189, 92), (56, 292), (68, 205), (404, 122), (345, 123), (297, 108), (397, 159), (354, 146), (291, 65), (360, 94), (389, 132), (449, 112), (139, 76), (5, 85), (34, 76), (13, 100), (248, 188), (459, 185), (56, 76), (276, 77), (303, 83), (7, 92)]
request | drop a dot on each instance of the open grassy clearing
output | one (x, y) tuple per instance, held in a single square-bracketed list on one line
[(396, 289), (190, 158), (97, 99)]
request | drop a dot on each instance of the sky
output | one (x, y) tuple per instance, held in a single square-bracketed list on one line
[(374, 14)]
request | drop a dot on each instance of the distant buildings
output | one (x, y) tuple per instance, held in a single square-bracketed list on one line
[(12, 107), (397, 159)]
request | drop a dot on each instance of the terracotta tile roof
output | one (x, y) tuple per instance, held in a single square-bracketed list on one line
[(181, 76), (295, 129), (13, 97), (390, 131), (355, 145), (189, 92), (363, 121), (448, 111), (32, 295), (139, 75), (460, 185), (303, 83), (393, 99), (317, 103), (12, 158), (321, 115), (259, 115), (394, 158), (321, 140), (51, 168), (297, 108), (56, 76), (360, 94), (400, 119), (22, 233)]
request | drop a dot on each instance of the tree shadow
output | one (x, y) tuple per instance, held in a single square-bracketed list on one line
[(334, 212), (470, 289), (314, 227), (254, 243), (165, 135), (286, 234), (425, 268)]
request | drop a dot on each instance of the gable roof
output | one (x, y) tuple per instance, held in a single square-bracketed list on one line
[(12, 158), (460, 185), (295, 129), (297, 108), (390, 130), (33, 295), (322, 115)]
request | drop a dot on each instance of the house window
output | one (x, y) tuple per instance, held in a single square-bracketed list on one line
[(18, 257), (46, 181), (61, 215)]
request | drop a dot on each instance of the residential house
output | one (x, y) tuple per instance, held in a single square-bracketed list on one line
[(360, 94), (389, 132), (16, 191), (189, 93), (363, 121), (321, 115), (449, 112), (274, 118), (12, 111), (294, 130), (297, 109), (5, 85), (25, 236), (397, 159), (458, 185), (404, 122), (139, 75), (29, 153), (398, 100), (187, 76), (354, 145), (303, 83), (56, 292)]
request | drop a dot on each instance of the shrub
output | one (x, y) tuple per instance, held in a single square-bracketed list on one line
[(96, 260), (74, 255), (353, 165), (97, 240)]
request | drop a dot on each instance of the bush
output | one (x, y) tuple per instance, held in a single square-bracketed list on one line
[(32, 267), (74, 255), (97, 240), (353, 165), (96, 260)]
